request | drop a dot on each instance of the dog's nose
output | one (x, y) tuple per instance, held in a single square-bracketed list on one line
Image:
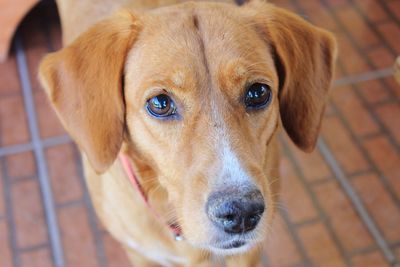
[(235, 212)]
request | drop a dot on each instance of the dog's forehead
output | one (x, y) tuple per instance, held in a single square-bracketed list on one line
[(187, 43)]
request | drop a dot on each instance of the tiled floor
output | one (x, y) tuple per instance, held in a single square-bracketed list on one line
[(340, 204)]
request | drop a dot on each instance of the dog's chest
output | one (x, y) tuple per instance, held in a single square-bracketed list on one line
[(158, 254)]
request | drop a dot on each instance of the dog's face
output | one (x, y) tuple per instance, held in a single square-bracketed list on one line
[(197, 92)]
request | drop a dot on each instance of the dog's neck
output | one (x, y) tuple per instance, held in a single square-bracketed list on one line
[(155, 194)]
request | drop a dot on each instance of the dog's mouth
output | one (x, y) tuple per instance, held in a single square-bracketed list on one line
[(234, 244), (231, 247)]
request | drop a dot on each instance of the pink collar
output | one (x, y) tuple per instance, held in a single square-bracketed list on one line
[(175, 229)]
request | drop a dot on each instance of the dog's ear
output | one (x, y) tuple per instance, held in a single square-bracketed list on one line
[(84, 84), (304, 58)]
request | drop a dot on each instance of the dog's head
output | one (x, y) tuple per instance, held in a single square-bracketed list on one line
[(197, 92)]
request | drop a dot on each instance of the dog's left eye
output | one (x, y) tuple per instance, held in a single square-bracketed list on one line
[(161, 106), (258, 96)]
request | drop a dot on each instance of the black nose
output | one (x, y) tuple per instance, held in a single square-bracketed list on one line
[(234, 211)]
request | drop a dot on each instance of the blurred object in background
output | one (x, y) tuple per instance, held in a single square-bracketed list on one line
[(11, 14)]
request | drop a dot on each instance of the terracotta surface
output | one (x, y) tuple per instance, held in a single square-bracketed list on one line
[(11, 14), (318, 223)]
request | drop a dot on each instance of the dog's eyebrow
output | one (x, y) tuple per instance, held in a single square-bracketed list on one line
[(240, 71), (178, 78)]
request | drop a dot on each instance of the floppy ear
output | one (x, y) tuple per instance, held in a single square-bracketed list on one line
[(304, 59), (84, 83)]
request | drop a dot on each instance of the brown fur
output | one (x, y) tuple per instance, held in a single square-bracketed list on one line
[(204, 59)]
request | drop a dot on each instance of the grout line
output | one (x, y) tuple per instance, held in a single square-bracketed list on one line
[(69, 204), (15, 149), (307, 222), (47, 195), (303, 264), (33, 248), (363, 77), (321, 181), (57, 140), (21, 179), (355, 199), (389, 12), (48, 142), (9, 215), (365, 250)]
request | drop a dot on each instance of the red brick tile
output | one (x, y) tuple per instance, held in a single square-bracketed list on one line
[(372, 259), (294, 196), (280, 247), (319, 246), (372, 10), (21, 165), (318, 14), (387, 160), (285, 4), (37, 258), (116, 256), (312, 164), (337, 3), (13, 127), (383, 209), (394, 6), (9, 76), (28, 214), (343, 147), (357, 116), (390, 115), (343, 217), (393, 85), (49, 124), (349, 57), (5, 248), (381, 57), (77, 238), (373, 91), (64, 174), (391, 33), (357, 27)]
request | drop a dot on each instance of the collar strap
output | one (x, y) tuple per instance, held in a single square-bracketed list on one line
[(175, 229)]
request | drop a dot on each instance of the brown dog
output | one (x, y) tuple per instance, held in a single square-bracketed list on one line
[(193, 93)]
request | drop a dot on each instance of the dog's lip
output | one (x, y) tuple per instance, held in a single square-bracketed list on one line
[(234, 244), (231, 245)]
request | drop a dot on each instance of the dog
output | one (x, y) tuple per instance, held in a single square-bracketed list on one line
[(175, 107)]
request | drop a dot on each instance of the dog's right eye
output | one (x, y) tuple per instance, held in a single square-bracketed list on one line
[(161, 106)]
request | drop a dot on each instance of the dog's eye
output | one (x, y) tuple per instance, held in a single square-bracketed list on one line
[(161, 106), (258, 96)]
